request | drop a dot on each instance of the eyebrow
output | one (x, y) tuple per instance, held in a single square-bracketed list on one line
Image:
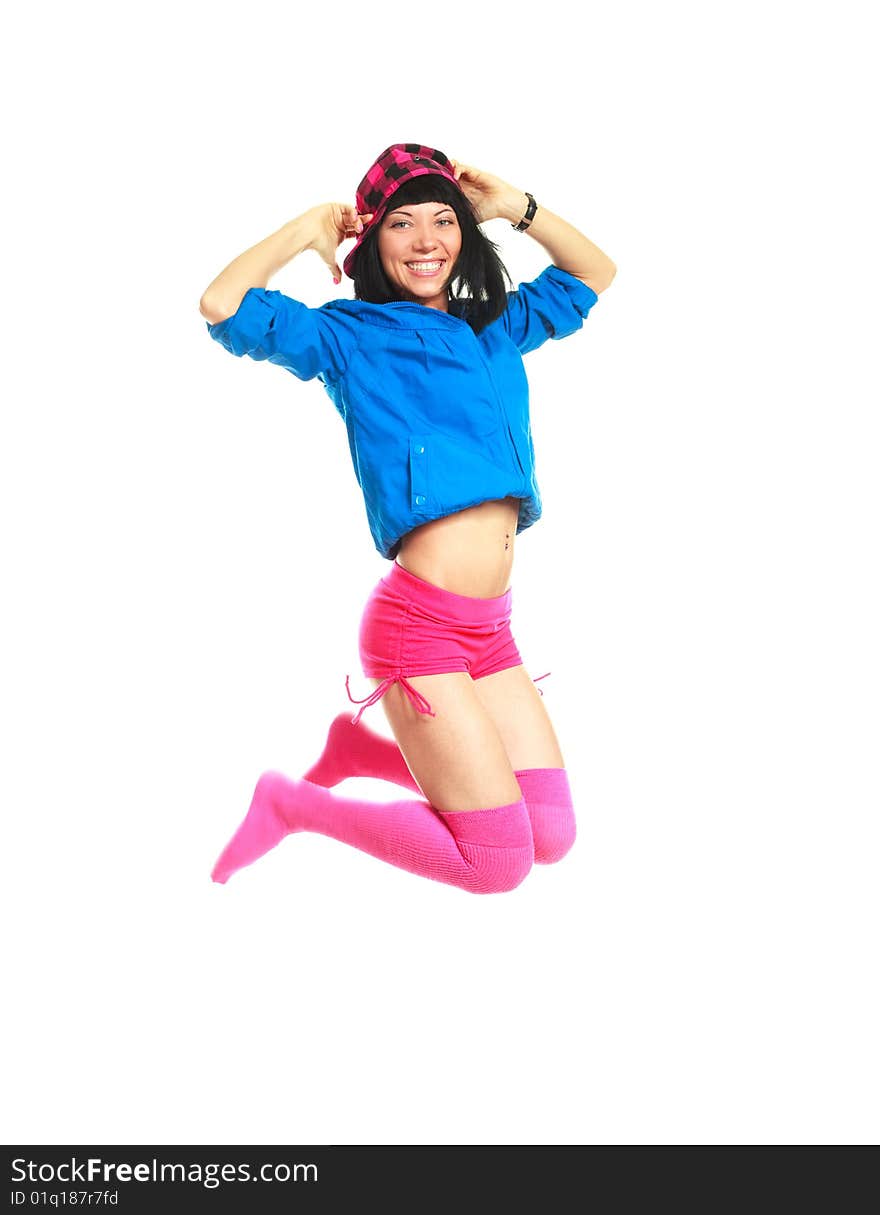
[(401, 211)]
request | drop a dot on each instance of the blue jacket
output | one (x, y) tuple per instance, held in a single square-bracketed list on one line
[(437, 415)]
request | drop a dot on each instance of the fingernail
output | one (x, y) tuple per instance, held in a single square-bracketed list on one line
[(336, 280)]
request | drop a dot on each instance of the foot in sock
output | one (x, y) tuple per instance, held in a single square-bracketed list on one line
[(263, 828), (356, 750)]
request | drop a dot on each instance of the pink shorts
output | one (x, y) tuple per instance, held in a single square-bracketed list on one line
[(411, 627)]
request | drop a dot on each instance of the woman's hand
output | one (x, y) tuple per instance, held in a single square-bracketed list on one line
[(490, 197), (330, 224)]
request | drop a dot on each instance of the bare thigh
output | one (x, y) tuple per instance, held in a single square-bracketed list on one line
[(458, 757), (518, 712)]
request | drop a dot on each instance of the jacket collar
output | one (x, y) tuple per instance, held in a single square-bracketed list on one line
[(403, 314)]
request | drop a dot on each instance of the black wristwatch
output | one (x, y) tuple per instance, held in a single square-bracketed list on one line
[(529, 215)]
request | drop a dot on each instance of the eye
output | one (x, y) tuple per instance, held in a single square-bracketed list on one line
[(400, 223)]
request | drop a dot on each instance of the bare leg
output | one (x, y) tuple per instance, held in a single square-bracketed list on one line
[(457, 757)]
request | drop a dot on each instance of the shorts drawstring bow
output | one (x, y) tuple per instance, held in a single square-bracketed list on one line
[(416, 697)]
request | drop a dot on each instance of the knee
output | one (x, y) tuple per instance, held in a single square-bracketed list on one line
[(547, 795), (495, 846), (554, 836), (498, 870)]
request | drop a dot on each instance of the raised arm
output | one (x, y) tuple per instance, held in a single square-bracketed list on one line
[(322, 228), (568, 248)]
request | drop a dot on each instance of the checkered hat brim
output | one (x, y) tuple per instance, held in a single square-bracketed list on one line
[(385, 176)]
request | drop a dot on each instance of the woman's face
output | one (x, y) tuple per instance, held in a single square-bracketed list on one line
[(418, 245)]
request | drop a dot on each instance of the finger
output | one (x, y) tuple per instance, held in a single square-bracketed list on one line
[(361, 221)]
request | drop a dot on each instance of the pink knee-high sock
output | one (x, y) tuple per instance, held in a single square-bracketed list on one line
[(356, 750), (547, 795), (481, 851)]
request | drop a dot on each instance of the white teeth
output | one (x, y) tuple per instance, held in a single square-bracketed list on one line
[(424, 265)]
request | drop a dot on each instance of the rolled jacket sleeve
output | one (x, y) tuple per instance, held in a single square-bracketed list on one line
[(554, 305), (307, 342)]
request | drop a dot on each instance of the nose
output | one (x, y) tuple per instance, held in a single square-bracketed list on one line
[(424, 237)]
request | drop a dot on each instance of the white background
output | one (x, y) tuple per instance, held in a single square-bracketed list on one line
[(185, 559)]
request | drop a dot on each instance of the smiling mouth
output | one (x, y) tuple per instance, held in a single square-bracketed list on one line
[(425, 269)]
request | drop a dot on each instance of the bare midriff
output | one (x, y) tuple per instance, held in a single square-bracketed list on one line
[(468, 553)]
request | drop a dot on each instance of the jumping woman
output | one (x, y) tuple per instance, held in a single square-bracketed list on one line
[(425, 366)]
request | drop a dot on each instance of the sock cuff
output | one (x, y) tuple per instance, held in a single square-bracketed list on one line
[(499, 827), (544, 784)]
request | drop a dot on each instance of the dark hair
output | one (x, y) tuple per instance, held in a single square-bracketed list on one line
[(477, 284)]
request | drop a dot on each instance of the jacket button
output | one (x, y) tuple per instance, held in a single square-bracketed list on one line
[(420, 499), (419, 451)]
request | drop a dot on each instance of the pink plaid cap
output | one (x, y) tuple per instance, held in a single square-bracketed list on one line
[(387, 174)]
